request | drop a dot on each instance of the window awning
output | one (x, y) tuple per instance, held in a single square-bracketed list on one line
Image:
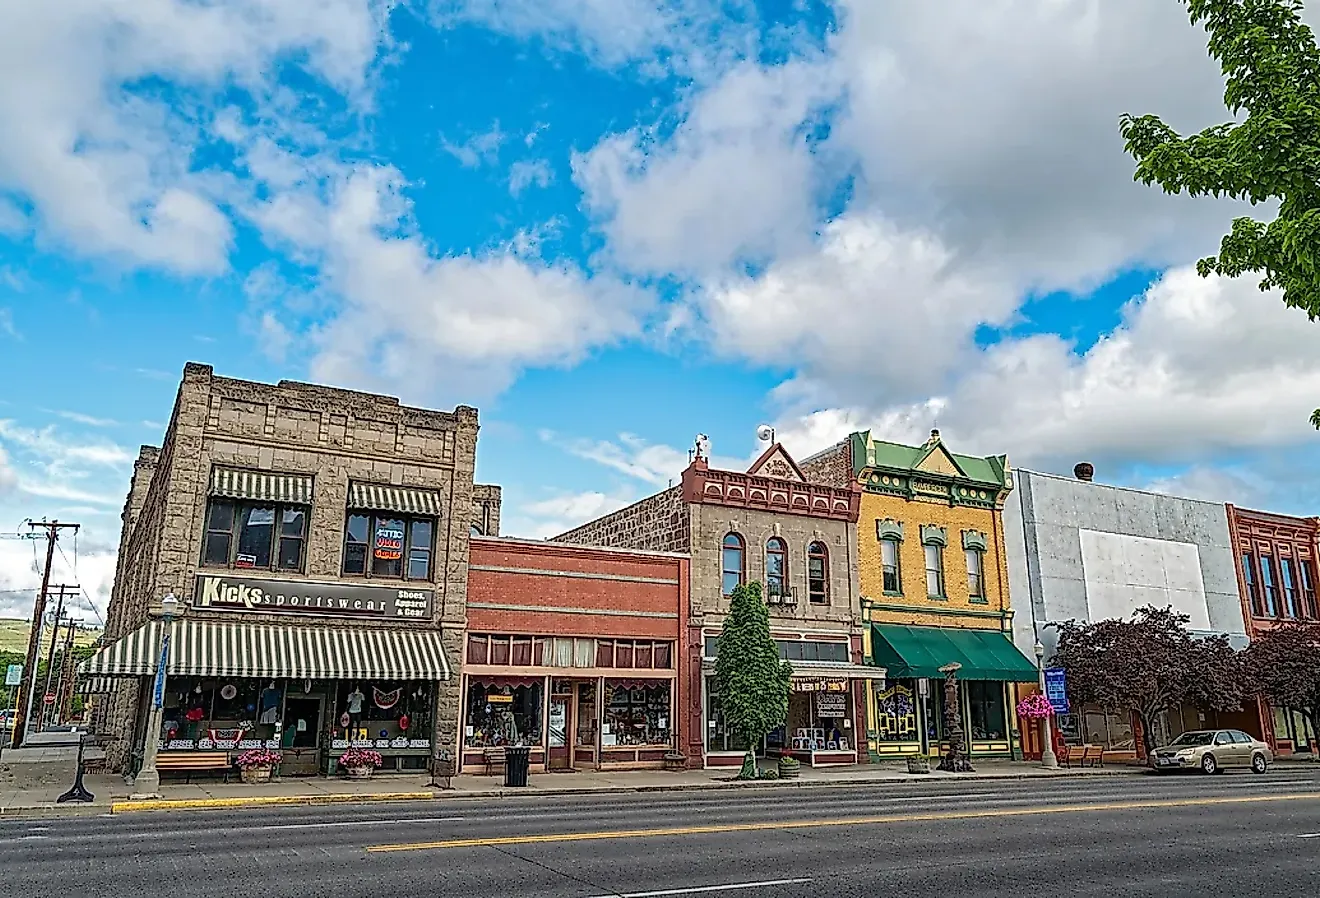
[(920, 652), (405, 500), (96, 686), (224, 649), (261, 486)]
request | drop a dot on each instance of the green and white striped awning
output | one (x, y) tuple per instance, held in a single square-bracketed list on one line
[(96, 685), (405, 500), (223, 649), (261, 486)]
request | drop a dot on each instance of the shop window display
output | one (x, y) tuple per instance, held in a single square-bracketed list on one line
[(207, 714), (636, 713), (503, 713), (896, 713), (986, 703), (1108, 729), (382, 715), (718, 735), (818, 720)]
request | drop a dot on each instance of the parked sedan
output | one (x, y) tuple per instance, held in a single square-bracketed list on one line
[(1211, 751)]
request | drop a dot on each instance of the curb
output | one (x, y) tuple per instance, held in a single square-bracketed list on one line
[(197, 804)]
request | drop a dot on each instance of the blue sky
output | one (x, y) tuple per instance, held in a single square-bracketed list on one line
[(612, 224)]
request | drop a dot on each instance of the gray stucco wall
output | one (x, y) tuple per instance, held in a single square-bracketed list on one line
[(1049, 580)]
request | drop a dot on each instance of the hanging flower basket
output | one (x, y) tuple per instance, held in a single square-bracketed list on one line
[(1035, 707)]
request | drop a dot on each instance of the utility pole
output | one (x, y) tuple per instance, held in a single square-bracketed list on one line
[(23, 708), (65, 689), (44, 714)]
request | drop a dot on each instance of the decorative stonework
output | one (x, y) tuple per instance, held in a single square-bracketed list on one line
[(776, 462), (705, 486), (888, 528), (934, 535), (974, 539)]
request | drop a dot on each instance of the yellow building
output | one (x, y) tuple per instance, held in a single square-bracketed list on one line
[(934, 585)]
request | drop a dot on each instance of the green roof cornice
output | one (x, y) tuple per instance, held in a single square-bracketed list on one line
[(901, 464)]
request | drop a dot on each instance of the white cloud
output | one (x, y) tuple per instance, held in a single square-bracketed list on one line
[(736, 181), (477, 150), (13, 220), (8, 478), (20, 569), (548, 517), (654, 464), (7, 326), (48, 444), (111, 170), (89, 420), (430, 326), (529, 173)]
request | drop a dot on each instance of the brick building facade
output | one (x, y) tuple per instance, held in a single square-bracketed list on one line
[(934, 589), (1276, 575), (317, 541), (798, 540), (574, 651)]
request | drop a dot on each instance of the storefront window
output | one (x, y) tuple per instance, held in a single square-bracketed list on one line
[(986, 700), (245, 535), (718, 736), (379, 546), (636, 713), (818, 719), (896, 713), (503, 712), (1109, 729), (382, 710)]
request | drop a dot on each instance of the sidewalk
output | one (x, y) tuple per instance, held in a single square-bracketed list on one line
[(112, 795)]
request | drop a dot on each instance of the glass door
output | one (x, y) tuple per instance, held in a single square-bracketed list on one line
[(561, 725)]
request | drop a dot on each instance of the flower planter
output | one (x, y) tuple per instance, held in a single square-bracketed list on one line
[(918, 764), (256, 774), (359, 773), (789, 768)]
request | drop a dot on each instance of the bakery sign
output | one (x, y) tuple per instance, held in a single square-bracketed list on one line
[(219, 592)]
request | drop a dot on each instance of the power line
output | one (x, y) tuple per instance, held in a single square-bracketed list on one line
[(74, 568)]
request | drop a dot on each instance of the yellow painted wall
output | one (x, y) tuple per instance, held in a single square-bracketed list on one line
[(912, 562)]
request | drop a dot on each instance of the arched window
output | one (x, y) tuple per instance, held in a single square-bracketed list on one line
[(818, 573), (733, 566), (474, 530), (776, 567)]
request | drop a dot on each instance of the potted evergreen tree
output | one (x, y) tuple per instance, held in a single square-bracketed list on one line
[(751, 678)]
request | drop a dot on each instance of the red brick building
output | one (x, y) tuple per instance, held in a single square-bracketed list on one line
[(1276, 579), (574, 651)]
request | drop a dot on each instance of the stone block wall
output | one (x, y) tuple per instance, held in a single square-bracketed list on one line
[(832, 466), (486, 501), (658, 523)]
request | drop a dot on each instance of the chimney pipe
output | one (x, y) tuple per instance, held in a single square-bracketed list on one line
[(1084, 471)]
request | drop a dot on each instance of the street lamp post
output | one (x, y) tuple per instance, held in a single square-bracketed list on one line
[(1047, 758), (147, 782)]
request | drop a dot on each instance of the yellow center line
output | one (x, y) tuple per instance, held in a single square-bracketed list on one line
[(847, 821)]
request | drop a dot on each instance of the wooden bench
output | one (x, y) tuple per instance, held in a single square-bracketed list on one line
[(495, 759), (194, 760), (1083, 755)]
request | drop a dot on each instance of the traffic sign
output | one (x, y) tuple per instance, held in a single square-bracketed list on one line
[(14, 675), (48, 698)]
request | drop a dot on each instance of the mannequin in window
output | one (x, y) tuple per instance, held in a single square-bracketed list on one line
[(355, 700), (270, 704)]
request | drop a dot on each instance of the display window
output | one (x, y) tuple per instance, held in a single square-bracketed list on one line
[(504, 712), (986, 706), (718, 735), (896, 713), (1111, 730), (636, 713), (818, 720), (386, 714), (207, 713)]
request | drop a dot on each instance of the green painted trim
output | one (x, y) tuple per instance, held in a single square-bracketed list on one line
[(931, 598), (975, 601), (974, 539), (952, 612), (888, 528), (894, 595), (935, 535)]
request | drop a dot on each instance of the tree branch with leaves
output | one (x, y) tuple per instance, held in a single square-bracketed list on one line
[(1284, 665), (751, 679), (1271, 66)]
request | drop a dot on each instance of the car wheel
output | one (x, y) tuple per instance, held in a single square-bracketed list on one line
[(1258, 763), (1209, 764)]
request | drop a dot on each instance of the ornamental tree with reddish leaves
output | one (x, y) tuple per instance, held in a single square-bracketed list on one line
[(1284, 665), (1149, 664)]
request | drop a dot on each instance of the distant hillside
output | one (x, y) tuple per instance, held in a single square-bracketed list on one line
[(14, 636)]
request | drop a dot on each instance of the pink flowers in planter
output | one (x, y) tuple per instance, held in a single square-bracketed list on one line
[(1035, 707), (361, 757), (258, 757)]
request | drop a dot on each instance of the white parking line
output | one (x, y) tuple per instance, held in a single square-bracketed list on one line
[(338, 823), (697, 890), (1308, 836)]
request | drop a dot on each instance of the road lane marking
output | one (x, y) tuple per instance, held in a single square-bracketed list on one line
[(851, 821), (359, 823), (1308, 836), (697, 890)]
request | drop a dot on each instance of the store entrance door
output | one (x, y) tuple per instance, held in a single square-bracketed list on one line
[(302, 735), (561, 726)]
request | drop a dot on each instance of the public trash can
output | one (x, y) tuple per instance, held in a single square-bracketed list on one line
[(516, 760)]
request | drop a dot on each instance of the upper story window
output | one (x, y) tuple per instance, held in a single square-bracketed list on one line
[(1270, 589), (1253, 587), (890, 534), (975, 575), (1308, 590), (733, 563), (1289, 587), (934, 571), (818, 573), (776, 567), (253, 535), (387, 545)]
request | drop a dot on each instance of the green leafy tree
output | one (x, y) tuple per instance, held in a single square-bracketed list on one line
[(751, 679), (1271, 67), (1285, 668), (1149, 664)]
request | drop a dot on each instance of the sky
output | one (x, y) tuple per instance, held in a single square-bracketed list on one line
[(614, 224)]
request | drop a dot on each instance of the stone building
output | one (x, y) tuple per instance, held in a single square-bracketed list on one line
[(317, 541), (934, 589), (1086, 551), (1276, 576), (798, 540)]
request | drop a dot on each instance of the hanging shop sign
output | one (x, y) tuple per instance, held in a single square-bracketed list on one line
[(831, 704), (818, 685), (1056, 689), (228, 593)]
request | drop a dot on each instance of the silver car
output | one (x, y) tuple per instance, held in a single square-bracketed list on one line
[(1211, 751)]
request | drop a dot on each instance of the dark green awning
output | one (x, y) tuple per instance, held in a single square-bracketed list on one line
[(920, 652)]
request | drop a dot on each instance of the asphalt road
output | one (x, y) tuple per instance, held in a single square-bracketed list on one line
[(1234, 834)]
